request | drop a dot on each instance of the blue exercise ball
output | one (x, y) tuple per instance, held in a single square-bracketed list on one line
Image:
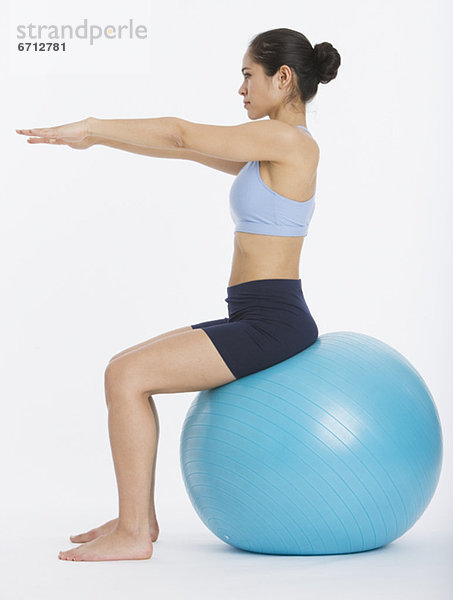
[(337, 449)]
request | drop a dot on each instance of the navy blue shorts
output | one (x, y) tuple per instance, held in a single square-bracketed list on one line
[(268, 322)]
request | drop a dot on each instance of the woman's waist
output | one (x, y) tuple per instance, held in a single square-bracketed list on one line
[(245, 269), (248, 246), (268, 259)]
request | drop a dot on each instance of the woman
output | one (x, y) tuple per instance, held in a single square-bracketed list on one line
[(272, 201)]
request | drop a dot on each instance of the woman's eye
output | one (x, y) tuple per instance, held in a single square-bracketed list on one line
[(246, 75)]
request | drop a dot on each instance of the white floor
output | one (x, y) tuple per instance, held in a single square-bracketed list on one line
[(190, 562)]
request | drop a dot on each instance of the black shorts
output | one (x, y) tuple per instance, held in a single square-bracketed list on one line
[(268, 322)]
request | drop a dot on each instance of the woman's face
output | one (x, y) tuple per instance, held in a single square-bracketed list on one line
[(257, 89)]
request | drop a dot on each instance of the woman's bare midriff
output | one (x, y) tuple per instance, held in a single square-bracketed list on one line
[(259, 256)]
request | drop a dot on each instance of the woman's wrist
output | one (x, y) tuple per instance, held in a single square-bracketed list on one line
[(90, 124), (91, 135)]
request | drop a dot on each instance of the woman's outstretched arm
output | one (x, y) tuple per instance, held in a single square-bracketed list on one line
[(268, 139), (78, 136), (226, 166), (159, 132), (271, 139)]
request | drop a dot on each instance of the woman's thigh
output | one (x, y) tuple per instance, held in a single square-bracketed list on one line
[(167, 334), (185, 362), (151, 341)]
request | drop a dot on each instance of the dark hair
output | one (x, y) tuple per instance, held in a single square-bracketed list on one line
[(311, 65)]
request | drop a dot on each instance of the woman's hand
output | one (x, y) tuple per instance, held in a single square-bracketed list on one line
[(76, 135)]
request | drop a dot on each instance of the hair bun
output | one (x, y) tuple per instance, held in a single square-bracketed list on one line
[(327, 61)]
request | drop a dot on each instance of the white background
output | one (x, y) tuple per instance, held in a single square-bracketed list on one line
[(102, 249)]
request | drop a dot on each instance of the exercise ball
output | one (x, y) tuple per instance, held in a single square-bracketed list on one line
[(337, 449)]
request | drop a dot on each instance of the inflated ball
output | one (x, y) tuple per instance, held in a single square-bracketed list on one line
[(337, 449)]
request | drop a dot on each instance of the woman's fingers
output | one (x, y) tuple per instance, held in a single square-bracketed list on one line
[(39, 132), (37, 140), (42, 136)]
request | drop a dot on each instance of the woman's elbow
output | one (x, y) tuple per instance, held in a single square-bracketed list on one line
[(178, 132)]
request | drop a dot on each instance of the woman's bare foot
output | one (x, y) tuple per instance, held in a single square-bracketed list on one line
[(108, 527), (116, 545)]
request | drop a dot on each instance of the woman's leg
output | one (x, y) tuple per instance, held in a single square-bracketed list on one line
[(154, 525), (187, 361)]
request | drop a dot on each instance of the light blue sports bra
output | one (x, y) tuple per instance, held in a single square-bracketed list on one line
[(255, 208)]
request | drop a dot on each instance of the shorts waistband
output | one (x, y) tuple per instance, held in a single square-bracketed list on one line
[(267, 283), (265, 292)]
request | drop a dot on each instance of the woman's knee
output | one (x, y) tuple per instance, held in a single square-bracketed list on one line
[(120, 377)]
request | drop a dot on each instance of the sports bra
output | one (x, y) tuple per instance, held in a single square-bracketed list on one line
[(255, 208)]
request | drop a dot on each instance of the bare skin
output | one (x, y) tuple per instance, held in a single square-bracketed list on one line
[(183, 359)]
